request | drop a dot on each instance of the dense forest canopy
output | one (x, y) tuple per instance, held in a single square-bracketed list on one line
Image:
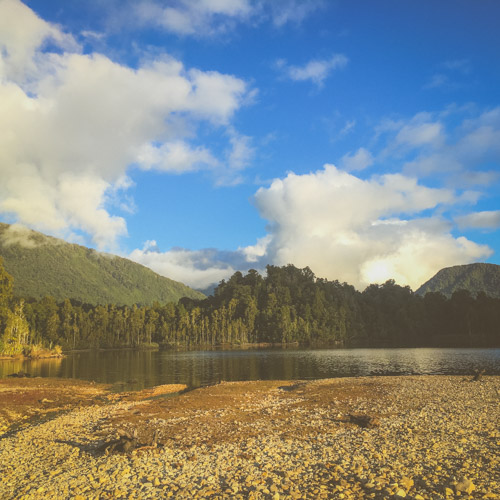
[(288, 305)]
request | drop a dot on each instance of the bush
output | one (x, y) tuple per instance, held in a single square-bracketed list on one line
[(38, 351)]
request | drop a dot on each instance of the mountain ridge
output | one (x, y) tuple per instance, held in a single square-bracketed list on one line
[(477, 277), (42, 265)]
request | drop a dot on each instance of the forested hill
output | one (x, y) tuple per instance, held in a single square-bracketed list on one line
[(45, 266), (474, 278), (288, 305)]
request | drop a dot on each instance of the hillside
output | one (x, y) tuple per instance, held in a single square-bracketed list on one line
[(42, 265), (472, 277)]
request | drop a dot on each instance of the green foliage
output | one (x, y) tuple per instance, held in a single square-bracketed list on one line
[(44, 266), (474, 278), (288, 305), (14, 329)]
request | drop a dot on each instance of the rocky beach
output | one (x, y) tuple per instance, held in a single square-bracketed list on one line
[(417, 437)]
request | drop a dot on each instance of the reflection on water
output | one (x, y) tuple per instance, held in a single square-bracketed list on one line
[(49, 367), (139, 369)]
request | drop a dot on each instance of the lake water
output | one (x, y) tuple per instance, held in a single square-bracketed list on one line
[(128, 369)]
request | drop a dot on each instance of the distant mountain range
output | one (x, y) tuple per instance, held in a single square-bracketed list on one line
[(472, 277), (42, 265)]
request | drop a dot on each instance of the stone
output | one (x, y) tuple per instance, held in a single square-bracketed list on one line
[(407, 483), (465, 486)]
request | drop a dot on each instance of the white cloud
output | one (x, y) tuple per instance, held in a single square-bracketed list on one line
[(315, 71), (359, 160), (72, 124), (193, 17), (176, 157), (471, 158), (241, 152), (256, 253), (419, 134), (22, 32), (203, 18), (480, 220), (198, 269), (359, 230), (17, 234), (295, 11)]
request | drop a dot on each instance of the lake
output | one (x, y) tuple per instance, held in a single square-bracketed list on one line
[(133, 370)]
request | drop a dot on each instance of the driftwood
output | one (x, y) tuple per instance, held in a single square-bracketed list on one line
[(478, 375), (19, 374), (127, 442), (366, 421)]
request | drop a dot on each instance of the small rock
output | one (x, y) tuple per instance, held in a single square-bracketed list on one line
[(465, 486), (406, 483)]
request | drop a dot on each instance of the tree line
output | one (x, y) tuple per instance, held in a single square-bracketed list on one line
[(288, 305)]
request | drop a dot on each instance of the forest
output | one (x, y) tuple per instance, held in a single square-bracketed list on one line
[(288, 305)]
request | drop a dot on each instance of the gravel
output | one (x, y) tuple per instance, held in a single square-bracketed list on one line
[(418, 437)]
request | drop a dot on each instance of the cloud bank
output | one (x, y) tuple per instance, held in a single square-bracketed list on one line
[(73, 124), (361, 231)]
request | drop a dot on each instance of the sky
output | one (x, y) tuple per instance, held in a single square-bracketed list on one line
[(200, 137)]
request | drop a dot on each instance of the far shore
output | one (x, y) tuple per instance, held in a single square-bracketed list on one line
[(229, 346), (22, 357)]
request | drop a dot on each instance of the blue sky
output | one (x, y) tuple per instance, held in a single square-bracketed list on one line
[(202, 137)]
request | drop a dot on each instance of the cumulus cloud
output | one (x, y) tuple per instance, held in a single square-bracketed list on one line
[(20, 41), (480, 220), (72, 124), (357, 230), (197, 268), (361, 231), (316, 71)]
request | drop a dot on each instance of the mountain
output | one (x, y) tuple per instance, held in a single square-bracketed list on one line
[(472, 277), (42, 265)]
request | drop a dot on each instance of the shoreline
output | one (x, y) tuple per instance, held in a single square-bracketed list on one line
[(418, 437), (22, 357), (216, 347)]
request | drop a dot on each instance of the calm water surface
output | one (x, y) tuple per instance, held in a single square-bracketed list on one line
[(139, 369)]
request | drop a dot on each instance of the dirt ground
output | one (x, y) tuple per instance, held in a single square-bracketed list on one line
[(221, 413)]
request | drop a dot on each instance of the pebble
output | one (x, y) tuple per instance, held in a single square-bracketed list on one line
[(437, 438)]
